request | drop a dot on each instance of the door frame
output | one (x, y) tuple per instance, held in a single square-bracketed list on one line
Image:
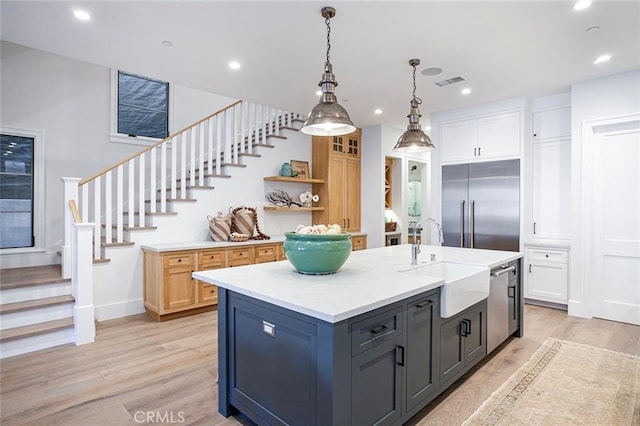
[(591, 130)]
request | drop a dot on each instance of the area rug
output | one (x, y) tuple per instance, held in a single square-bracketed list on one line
[(566, 383)]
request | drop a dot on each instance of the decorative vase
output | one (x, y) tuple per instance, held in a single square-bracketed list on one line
[(317, 254), (285, 170)]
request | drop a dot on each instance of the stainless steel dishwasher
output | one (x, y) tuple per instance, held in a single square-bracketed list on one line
[(498, 307)]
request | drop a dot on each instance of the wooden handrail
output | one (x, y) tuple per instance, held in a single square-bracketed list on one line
[(74, 211), (149, 148)]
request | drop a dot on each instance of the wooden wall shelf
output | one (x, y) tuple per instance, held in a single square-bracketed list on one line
[(292, 179), (292, 209)]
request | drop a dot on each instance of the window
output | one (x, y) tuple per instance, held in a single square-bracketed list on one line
[(16, 191), (142, 106)]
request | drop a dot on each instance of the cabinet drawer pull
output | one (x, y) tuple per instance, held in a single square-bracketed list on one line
[(378, 329), (462, 329), (179, 260), (424, 304), (400, 355)]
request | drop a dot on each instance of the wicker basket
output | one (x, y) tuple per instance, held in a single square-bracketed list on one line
[(238, 238), (390, 226)]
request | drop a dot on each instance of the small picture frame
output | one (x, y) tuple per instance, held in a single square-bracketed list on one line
[(301, 168)]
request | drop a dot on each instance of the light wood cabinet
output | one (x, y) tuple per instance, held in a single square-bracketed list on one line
[(169, 288), (240, 256), (266, 253), (336, 160), (209, 259), (358, 242), (488, 137), (171, 292)]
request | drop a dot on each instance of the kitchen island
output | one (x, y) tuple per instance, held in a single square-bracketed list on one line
[(365, 345)]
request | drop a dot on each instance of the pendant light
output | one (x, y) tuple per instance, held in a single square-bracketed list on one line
[(414, 139), (328, 118)]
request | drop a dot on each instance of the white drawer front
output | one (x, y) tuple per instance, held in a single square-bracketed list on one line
[(559, 256)]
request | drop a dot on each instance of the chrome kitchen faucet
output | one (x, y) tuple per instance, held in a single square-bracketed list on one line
[(415, 247)]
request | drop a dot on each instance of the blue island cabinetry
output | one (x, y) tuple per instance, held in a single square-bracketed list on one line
[(278, 366)]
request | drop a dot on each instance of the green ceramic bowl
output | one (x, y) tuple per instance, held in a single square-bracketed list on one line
[(317, 254)]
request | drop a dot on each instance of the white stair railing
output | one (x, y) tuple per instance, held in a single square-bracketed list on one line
[(123, 196)]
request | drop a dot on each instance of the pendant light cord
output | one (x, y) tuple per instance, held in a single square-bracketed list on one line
[(415, 98), (328, 22)]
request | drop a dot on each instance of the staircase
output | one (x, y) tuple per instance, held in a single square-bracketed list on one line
[(111, 214), (36, 310)]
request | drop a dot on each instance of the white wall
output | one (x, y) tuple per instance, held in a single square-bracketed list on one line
[(603, 98), (69, 102)]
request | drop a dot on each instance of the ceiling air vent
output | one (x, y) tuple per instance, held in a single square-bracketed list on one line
[(449, 81)]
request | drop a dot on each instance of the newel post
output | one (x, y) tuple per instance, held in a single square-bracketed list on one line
[(82, 283), (70, 193)]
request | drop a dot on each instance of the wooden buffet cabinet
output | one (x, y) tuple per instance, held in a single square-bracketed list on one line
[(170, 291), (336, 160)]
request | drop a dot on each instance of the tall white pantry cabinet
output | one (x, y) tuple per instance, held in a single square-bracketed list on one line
[(548, 222)]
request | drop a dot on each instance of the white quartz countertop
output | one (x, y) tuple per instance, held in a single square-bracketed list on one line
[(200, 245), (370, 279)]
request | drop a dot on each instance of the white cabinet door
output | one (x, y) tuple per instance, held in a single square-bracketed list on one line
[(459, 140), (547, 281), (551, 186), (499, 135), (552, 124), (547, 276), (485, 138)]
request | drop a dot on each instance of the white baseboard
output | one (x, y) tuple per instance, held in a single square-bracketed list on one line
[(119, 310), (578, 309)]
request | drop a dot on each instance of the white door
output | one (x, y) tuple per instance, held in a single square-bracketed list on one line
[(615, 208)]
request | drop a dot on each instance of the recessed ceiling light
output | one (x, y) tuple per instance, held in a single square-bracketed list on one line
[(167, 43), (377, 111), (234, 65), (465, 91), (582, 4), (431, 71), (81, 15), (601, 59)]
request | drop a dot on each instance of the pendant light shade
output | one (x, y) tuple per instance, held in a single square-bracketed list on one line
[(328, 117), (414, 139)]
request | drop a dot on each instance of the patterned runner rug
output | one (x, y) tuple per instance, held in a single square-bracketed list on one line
[(566, 383)]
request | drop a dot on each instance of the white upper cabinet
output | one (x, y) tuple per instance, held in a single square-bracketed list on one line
[(488, 137), (459, 140), (551, 124)]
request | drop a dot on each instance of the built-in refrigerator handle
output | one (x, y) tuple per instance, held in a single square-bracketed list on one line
[(462, 223), (472, 229)]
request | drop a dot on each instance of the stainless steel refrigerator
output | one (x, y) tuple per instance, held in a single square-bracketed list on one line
[(481, 205)]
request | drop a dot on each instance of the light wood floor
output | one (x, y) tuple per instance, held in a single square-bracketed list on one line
[(139, 366)]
